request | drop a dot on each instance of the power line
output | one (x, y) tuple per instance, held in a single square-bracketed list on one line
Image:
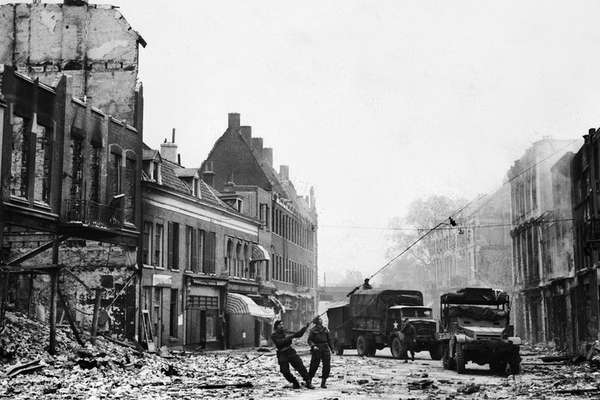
[(458, 226)]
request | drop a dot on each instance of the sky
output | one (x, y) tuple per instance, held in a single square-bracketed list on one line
[(374, 103)]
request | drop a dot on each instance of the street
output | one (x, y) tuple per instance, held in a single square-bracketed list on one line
[(124, 374)]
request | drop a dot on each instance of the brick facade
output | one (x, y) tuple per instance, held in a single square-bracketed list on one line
[(239, 165)]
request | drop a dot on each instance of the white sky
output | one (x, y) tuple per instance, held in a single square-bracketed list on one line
[(375, 103)]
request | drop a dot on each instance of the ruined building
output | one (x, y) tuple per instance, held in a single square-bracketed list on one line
[(583, 293), (71, 135), (475, 253), (70, 210), (241, 169), (94, 44), (536, 213)]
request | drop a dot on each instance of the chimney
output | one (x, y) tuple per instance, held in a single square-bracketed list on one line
[(234, 120), (168, 151), (284, 172), (257, 144), (75, 2), (268, 156), (246, 132)]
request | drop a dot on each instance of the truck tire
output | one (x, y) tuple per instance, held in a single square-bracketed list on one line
[(498, 367), (397, 348), (435, 351), (362, 345), (371, 347), (515, 364), (459, 357)]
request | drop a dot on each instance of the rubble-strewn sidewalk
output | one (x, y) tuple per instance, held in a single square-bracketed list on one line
[(119, 371)]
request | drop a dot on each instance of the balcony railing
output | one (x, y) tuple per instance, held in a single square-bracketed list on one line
[(92, 213)]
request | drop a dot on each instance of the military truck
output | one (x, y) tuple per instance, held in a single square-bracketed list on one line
[(475, 326), (373, 319)]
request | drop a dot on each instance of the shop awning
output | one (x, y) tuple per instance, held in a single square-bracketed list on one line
[(244, 305), (259, 253)]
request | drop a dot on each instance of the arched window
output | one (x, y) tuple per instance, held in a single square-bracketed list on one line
[(247, 272), (229, 257), (239, 260)]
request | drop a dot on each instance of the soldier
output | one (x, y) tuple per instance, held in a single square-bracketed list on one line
[(286, 355), (410, 334), (321, 348)]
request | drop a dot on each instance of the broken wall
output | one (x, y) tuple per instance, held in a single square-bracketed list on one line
[(89, 268), (92, 43)]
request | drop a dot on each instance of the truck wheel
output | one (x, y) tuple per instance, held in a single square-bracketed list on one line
[(397, 348), (435, 351), (362, 345), (460, 359), (498, 367), (515, 364)]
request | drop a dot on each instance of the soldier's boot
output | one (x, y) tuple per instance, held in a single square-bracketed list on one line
[(295, 384), (308, 384), (324, 383)]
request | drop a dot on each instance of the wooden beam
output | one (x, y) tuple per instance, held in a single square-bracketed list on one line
[(70, 318), (18, 260), (53, 294), (96, 311)]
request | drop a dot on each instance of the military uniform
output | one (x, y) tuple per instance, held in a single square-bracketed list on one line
[(287, 356), (410, 334), (318, 339)]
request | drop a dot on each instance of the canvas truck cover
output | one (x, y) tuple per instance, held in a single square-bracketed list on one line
[(374, 302), (476, 296)]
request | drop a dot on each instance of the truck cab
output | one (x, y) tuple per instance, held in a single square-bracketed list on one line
[(475, 326), (373, 319), (426, 328)]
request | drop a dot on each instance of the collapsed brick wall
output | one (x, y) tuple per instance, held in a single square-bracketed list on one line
[(89, 266), (92, 43)]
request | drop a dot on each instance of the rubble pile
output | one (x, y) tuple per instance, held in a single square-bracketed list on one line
[(107, 369)]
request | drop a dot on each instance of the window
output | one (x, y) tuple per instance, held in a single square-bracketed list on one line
[(238, 260), (191, 248), (158, 246), (43, 160), (128, 188), (147, 248), (199, 251), (95, 170), (76, 167), (173, 245), (173, 314), (19, 169), (114, 174), (210, 243)]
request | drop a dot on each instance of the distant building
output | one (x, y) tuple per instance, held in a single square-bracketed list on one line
[(94, 44), (534, 211), (475, 253), (241, 169), (196, 251)]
